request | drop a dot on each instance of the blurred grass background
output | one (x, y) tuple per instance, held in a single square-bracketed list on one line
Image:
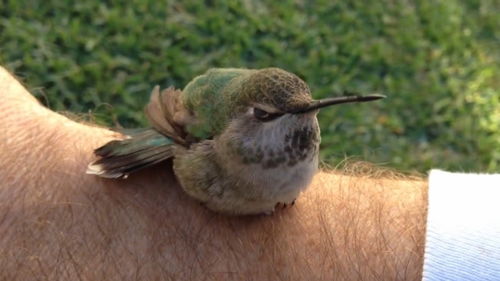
[(438, 61)]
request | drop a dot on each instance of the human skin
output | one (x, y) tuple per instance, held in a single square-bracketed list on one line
[(57, 223)]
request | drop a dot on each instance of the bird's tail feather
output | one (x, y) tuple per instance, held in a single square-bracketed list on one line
[(141, 149)]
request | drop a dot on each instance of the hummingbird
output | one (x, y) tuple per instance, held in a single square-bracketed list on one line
[(242, 141)]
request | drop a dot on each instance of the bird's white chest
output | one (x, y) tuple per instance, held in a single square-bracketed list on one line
[(283, 183)]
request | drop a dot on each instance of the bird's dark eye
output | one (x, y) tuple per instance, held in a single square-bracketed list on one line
[(264, 115)]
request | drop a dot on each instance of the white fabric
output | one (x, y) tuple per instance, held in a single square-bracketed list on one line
[(463, 227)]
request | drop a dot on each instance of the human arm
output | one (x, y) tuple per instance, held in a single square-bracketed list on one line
[(56, 222)]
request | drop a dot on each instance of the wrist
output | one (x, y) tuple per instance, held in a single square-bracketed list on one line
[(342, 226)]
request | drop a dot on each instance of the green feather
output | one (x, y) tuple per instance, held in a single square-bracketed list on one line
[(211, 97), (142, 149)]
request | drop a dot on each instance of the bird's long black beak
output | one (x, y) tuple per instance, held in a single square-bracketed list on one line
[(338, 100)]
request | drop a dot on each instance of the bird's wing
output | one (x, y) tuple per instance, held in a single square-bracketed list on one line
[(146, 147), (141, 149), (167, 114)]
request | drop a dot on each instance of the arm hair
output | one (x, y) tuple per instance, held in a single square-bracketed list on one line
[(57, 223)]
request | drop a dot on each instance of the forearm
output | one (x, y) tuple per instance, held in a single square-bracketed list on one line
[(58, 222)]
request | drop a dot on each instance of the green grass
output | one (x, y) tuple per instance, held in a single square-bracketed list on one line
[(438, 61)]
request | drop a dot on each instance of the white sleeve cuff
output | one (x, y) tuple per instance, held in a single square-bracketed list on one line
[(463, 227)]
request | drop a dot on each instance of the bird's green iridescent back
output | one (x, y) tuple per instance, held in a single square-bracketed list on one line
[(222, 93), (211, 98)]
